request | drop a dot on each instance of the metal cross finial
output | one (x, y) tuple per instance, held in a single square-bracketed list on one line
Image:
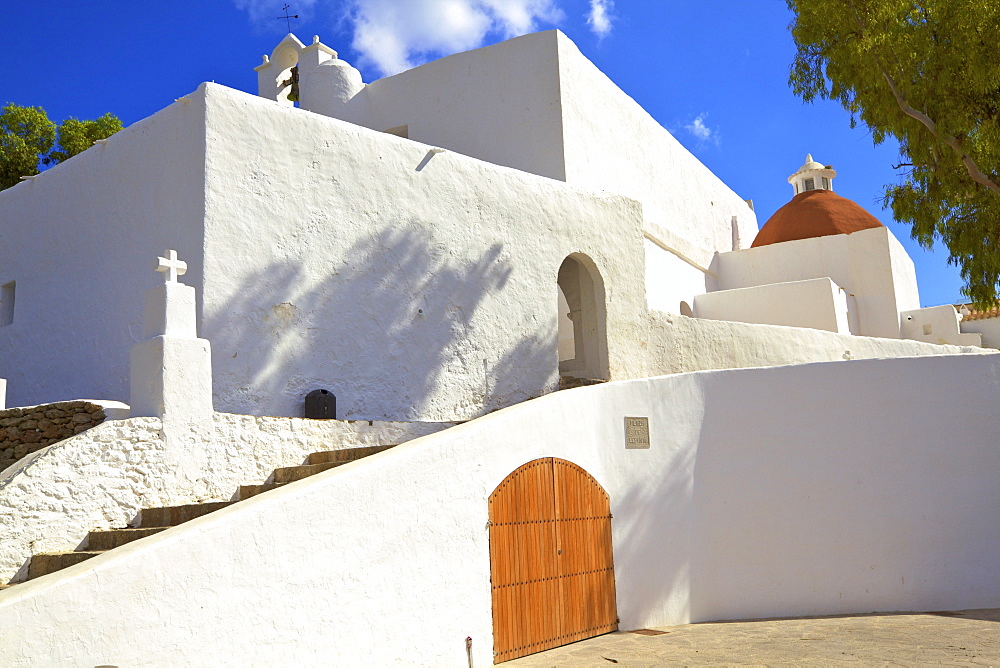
[(288, 16), (171, 267)]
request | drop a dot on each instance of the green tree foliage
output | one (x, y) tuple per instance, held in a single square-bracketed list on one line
[(26, 134), (926, 72), (29, 139), (76, 136)]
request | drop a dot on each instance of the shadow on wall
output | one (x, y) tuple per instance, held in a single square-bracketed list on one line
[(854, 496), (644, 515), (395, 332)]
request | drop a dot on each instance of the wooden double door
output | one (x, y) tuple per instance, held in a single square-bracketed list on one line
[(551, 559)]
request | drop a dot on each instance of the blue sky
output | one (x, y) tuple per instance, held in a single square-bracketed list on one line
[(714, 74)]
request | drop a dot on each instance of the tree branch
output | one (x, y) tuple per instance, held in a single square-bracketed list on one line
[(970, 165)]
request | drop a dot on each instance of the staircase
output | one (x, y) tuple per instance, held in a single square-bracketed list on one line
[(155, 520)]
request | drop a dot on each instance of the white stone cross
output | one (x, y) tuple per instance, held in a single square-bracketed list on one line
[(171, 266)]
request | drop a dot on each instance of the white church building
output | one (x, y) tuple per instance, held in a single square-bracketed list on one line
[(772, 426)]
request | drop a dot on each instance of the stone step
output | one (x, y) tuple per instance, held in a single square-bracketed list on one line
[(345, 455), (247, 491), (570, 382), (154, 520), (293, 473), (171, 516), (112, 538), (50, 562)]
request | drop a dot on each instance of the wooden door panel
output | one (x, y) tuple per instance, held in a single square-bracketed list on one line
[(550, 559), (590, 606)]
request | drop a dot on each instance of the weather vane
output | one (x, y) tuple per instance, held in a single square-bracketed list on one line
[(288, 17)]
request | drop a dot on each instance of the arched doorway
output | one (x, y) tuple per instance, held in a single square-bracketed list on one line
[(583, 348), (551, 562)]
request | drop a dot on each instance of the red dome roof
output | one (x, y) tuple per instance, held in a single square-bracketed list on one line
[(814, 213)]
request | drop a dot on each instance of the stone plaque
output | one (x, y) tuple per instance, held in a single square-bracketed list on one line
[(636, 433)]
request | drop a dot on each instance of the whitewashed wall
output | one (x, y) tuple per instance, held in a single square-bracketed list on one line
[(611, 143), (412, 284), (81, 242), (936, 324), (670, 280), (679, 344), (989, 328), (500, 104), (816, 489), (871, 265), (904, 273), (99, 479), (537, 104), (817, 303)]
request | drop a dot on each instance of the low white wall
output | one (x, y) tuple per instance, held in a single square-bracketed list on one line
[(817, 304), (678, 344), (989, 328), (871, 265), (936, 324), (815, 489), (99, 479)]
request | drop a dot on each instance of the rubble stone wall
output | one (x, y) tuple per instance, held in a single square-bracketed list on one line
[(26, 430)]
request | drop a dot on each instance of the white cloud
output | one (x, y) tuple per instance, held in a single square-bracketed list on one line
[(701, 131), (599, 18), (394, 36)]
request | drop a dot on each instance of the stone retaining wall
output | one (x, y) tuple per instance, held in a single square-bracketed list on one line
[(26, 430), (101, 478)]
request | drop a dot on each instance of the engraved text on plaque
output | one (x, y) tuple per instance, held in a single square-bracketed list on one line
[(636, 433)]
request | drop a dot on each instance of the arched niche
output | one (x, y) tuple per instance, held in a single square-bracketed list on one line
[(582, 319)]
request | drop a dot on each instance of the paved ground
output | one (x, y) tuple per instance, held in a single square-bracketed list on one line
[(963, 638)]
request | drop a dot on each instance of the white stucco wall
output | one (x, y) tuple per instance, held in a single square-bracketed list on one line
[(678, 344), (670, 280), (871, 265), (613, 144), (81, 240), (757, 498), (818, 303), (99, 479), (936, 324), (904, 274), (412, 284), (989, 328), (500, 104), (536, 104)]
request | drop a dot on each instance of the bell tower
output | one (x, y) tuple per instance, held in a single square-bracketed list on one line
[(278, 76), (311, 75)]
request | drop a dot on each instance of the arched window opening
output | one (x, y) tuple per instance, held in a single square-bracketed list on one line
[(582, 315)]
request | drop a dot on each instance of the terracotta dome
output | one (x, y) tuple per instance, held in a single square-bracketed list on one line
[(814, 213)]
